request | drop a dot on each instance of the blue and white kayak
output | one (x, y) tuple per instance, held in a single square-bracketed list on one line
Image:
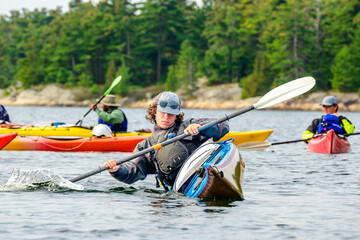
[(214, 170)]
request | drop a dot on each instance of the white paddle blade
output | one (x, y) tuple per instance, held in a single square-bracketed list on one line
[(254, 146), (285, 92)]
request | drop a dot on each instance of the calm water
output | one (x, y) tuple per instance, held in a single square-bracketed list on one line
[(289, 193)]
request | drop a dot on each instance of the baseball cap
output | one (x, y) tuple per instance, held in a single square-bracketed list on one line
[(329, 100), (168, 102)]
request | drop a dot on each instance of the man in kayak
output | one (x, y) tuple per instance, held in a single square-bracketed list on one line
[(166, 162), (5, 120), (111, 115), (330, 120)]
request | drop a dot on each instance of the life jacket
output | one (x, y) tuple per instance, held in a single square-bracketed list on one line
[(328, 122), (4, 116), (118, 127), (171, 158)]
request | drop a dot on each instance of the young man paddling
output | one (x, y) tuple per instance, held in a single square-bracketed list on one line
[(166, 162), (330, 120)]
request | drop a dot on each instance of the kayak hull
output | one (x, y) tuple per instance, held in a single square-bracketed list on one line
[(44, 144), (5, 139), (74, 131), (80, 131), (37, 143), (329, 143), (214, 171)]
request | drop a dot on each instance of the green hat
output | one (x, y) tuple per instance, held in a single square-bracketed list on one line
[(109, 100)]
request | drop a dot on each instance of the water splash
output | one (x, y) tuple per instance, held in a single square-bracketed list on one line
[(21, 180)]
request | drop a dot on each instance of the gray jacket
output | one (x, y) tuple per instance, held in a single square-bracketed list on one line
[(167, 160)]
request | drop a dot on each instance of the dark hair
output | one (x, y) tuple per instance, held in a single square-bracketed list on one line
[(152, 118)]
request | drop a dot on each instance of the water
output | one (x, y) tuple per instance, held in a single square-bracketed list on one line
[(289, 193)]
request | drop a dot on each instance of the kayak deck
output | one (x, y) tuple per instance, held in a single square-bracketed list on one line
[(214, 170), (329, 143), (76, 131), (80, 131)]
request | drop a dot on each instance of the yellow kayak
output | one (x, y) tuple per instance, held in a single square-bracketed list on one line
[(79, 131), (120, 143), (248, 136), (48, 131)]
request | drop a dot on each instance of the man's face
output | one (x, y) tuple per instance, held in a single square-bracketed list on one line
[(329, 109), (165, 120), (105, 107)]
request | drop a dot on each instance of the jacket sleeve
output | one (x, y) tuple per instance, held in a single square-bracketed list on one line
[(312, 129), (138, 168), (216, 132), (114, 117), (347, 125), (313, 126), (307, 134)]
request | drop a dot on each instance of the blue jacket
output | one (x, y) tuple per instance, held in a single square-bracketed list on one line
[(115, 118), (4, 116), (328, 122)]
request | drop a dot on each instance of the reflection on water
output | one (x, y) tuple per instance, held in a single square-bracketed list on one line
[(219, 202), (126, 190)]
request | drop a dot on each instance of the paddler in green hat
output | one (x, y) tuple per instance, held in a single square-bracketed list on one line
[(166, 162), (111, 114)]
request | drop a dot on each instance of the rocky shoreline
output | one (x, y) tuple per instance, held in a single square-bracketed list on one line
[(219, 97)]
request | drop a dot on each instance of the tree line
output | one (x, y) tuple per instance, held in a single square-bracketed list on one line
[(258, 44)]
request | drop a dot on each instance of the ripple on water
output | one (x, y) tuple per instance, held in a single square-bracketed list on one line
[(31, 180)]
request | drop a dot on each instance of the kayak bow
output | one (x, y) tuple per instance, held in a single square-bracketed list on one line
[(329, 143)]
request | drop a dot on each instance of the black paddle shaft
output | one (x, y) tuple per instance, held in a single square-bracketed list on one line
[(350, 134), (89, 110), (294, 141), (163, 144), (304, 140)]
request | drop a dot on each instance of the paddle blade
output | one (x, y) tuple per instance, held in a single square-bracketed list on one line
[(114, 83), (285, 92), (254, 146)]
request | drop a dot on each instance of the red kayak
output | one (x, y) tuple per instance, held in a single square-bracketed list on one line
[(71, 144), (329, 143), (6, 138)]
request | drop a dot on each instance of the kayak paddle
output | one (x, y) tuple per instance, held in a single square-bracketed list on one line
[(349, 134), (259, 146), (114, 83), (279, 94)]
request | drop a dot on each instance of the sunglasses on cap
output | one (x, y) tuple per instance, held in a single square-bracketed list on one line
[(172, 105)]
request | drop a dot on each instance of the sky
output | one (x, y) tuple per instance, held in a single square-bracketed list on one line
[(7, 5)]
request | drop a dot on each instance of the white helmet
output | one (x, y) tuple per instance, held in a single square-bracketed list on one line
[(101, 130)]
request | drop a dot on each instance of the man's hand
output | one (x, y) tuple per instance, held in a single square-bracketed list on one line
[(113, 167), (192, 129)]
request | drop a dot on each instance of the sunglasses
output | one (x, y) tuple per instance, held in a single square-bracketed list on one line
[(172, 105)]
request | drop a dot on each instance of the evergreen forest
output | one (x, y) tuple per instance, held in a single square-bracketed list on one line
[(258, 44)]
